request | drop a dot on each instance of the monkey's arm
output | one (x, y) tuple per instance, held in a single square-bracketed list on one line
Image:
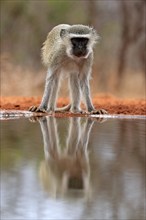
[(44, 103), (85, 87), (84, 83)]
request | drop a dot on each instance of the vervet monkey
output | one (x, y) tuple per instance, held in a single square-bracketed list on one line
[(68, 48), (67, 166)]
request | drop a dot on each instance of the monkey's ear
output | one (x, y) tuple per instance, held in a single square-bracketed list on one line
[(96, 36), (93, 31), (63, 32)]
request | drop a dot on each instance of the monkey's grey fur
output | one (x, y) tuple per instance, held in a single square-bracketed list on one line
[(68, 48)]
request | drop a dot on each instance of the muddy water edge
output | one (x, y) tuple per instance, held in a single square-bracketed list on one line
[(73, 168)]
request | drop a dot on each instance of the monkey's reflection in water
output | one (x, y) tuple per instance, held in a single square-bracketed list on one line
[(66, 168)]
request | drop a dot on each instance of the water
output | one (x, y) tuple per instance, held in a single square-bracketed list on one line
[(73, 168)]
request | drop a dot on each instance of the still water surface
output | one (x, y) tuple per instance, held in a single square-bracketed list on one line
[(73, 168)]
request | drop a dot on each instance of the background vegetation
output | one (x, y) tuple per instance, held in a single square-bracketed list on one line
[(119, 65)]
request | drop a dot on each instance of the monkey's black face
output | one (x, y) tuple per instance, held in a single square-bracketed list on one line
[(79, 46)]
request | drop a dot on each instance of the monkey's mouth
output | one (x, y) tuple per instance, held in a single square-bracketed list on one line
[(80, 54)]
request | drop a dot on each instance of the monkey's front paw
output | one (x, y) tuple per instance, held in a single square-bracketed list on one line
[(37, 109), (99, 112)]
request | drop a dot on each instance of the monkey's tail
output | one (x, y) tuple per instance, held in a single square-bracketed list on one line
[(63, 109)]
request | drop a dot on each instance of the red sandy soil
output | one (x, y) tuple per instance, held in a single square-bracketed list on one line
[(110, 103)]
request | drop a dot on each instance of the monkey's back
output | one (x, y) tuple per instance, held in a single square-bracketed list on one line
[(52, 45)]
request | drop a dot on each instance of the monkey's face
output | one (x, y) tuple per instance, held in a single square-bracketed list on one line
[(79, 46), (78, 40)]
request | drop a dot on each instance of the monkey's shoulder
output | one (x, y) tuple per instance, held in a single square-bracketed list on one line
[(53, 54)]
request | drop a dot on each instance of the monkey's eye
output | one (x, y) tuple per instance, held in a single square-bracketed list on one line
[(85, 41), (74, 41)]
